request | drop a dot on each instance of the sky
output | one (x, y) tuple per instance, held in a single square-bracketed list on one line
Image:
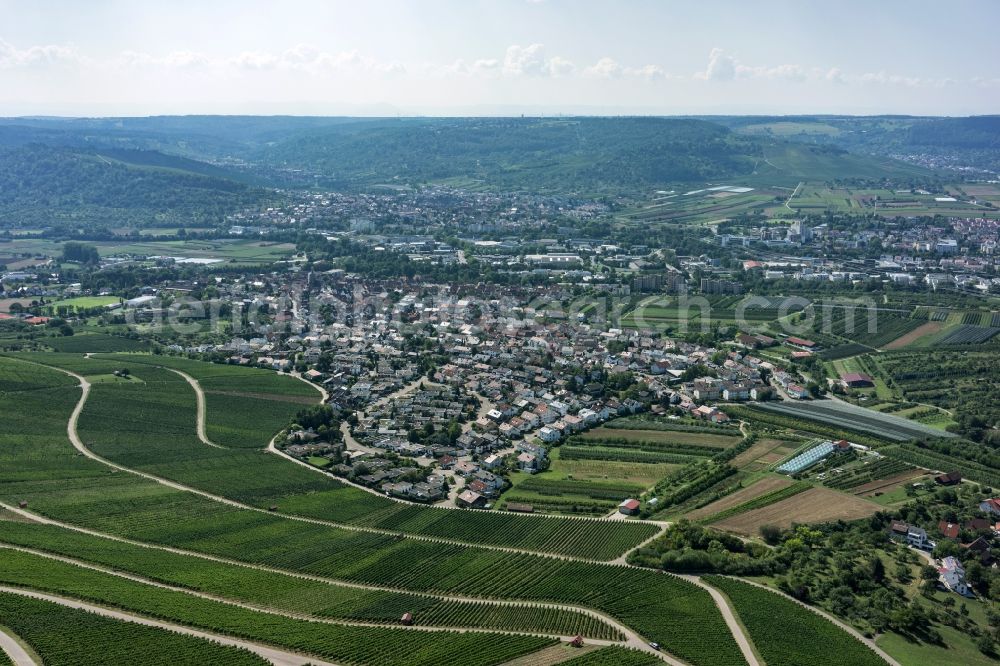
[(498, 57)]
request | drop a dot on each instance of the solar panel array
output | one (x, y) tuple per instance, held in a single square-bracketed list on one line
[(807, 459)]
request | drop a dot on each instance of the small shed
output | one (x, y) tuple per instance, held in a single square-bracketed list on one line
[(577, 641), (23, 504), (407, 619), (629, 507), (273, 507)]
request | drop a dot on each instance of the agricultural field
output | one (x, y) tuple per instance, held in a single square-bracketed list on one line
[(641, 474), (361, 646), (764, 453), (266, 589), (64, 636), (758, 502), (95, 342), (71, 305), (681, 438), (614, 656), (855, 326), (45, 472), (912, 337), (968, 335), (961, 382), (786, 634), (870, 475), (815, 505), (233, 251), (757, 489), (245, 407)]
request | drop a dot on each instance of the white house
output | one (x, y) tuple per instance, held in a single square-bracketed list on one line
[(548, 434), (953, 575), (492, 461)]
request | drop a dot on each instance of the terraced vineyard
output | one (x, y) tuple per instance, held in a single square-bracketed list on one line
[(277, 590), (787, 634), (64, 636), (362, 646), (45, 472), (613, 656)]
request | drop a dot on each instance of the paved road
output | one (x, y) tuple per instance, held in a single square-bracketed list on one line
[(21, 657), (273, 655)]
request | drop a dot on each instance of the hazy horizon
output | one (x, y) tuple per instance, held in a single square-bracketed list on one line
[(500, 57)]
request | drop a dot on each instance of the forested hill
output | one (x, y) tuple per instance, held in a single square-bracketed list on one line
[(578, 154), (59, 186), (573, 155)]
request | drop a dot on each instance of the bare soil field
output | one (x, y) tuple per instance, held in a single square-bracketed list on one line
[(817, 505), (760, 448), (700, 438), (919, 332), (762, 487), (5, 303), (887, 484)]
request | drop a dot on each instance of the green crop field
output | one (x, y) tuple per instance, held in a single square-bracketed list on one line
[(614, 656), (361, 646), (80, 303), (44, 471), (64, 636), (264, 588), (95, 342), (786, 634)]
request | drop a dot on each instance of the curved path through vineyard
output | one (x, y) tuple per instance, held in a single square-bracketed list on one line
[(272, 448), (273, 655), (631, 638), (730, 617), (298, 616), (15, 650), (202, 410)]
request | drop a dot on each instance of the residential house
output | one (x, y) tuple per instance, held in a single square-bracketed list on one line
[(953, 575)]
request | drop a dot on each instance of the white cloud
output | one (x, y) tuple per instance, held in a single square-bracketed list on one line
[(651, 72), (531, 61), (255, 60), (558, 66), (725, 67), (527, 60), (721, 67), (883, 78), (605, 68), (49, 54)]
